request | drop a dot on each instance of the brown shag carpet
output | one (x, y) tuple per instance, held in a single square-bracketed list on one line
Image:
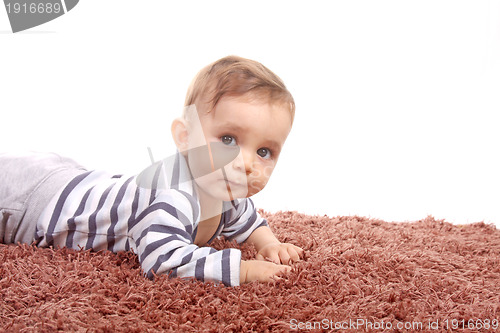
[(360, 274)]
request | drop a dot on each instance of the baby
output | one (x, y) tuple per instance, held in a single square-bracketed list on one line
[(237, 117)]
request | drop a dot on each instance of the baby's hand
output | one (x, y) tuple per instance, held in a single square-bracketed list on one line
[(263, 271), (280, 253)]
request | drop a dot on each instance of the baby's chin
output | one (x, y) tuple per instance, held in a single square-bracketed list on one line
[(253, 191), (236, 194)]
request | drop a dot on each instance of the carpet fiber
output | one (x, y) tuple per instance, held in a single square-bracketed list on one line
[(359, 274)]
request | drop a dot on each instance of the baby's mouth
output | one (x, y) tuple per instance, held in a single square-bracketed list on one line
[(233, 183), (234, 180)]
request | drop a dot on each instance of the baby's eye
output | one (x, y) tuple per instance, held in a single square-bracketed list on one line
[(228, 140), (264, 153)]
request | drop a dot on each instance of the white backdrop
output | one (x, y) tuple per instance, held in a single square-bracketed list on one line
[(397, 102)]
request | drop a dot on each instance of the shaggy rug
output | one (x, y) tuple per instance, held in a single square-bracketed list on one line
[(359, 274)]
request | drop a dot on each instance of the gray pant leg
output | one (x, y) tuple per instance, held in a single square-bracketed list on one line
[(27, 184)]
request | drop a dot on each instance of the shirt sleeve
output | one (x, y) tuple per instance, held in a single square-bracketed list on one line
[(164, 245), (241, 219)]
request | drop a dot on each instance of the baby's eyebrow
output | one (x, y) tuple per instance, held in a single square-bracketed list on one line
[(232, 127), (273, 145)]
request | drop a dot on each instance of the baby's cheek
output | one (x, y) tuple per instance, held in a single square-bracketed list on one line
[(258, 179), (266, 172)]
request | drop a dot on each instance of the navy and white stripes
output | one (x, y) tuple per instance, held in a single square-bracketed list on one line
[(100, 211)]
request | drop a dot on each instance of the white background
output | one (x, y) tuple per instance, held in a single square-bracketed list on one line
[(397, 102)]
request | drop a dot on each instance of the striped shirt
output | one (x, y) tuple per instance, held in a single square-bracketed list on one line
[(99, 211)]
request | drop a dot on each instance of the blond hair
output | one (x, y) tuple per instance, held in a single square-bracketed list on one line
[(236, 76)]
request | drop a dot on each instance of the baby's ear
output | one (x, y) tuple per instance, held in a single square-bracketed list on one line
[(180, 134)]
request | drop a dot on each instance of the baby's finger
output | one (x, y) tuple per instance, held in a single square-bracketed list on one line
[(282, 269), (284, 256), (274, 257), (294, 255), (299, 250)]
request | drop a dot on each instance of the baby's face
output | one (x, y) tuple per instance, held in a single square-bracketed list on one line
[(258, 129)]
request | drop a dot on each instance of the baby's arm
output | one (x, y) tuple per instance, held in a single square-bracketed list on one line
[(162, 238)]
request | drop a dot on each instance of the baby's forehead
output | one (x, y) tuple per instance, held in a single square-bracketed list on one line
[(238, 112), (255, 102)]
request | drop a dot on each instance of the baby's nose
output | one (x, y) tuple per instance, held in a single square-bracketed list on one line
[(244, 162)]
